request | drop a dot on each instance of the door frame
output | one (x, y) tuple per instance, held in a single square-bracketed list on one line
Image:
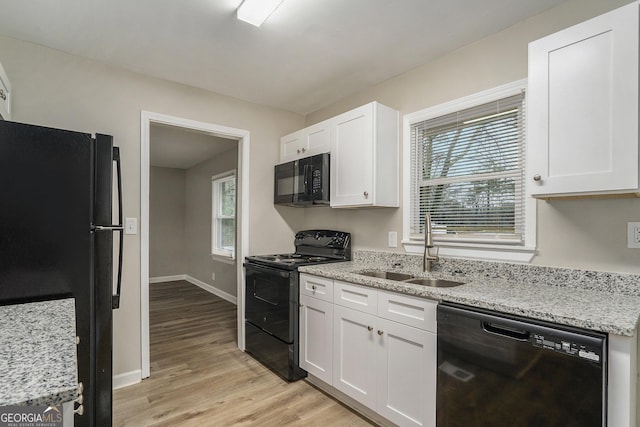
[(147, 118)]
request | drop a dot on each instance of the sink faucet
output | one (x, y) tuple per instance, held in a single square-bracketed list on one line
[(427, 258)]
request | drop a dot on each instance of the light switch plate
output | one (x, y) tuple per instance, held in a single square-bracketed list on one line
[(131, 226), (633, 235)]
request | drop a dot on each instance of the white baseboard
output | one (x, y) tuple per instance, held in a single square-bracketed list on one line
[(161, 279), (207, 287), (127, 379)]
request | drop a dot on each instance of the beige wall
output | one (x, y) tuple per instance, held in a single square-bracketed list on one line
[(54, 89), (167, 256), (197, 233), (581, 234)]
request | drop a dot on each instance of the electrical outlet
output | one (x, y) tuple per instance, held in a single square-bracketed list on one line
[(393, 239), (633, 235)]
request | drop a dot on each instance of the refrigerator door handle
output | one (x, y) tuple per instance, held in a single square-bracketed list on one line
[(119, 228), (116, 298)]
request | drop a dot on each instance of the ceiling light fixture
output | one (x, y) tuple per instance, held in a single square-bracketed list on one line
[(255, 12)]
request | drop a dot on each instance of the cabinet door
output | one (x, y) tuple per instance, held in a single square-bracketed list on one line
[(583, 107), (354, 361), (407, 374), (292, 146), (352, 158), (316, 338), (317, 138)]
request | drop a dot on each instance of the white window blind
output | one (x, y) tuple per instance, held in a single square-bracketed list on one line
[(224, 214), (467, 172)]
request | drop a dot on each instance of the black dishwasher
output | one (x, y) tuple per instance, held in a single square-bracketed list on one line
[(501, 370)]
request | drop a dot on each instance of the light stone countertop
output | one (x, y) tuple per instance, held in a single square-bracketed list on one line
[(38, 353), (606, 302)]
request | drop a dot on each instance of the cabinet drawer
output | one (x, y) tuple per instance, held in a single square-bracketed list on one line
[(412, 311), (359, 298), (317, 287)]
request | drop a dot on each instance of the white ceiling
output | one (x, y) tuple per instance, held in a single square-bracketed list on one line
[(175, 147), (309, 54)]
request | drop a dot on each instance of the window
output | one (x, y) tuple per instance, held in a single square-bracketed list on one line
[(224, 215), (466, 168)]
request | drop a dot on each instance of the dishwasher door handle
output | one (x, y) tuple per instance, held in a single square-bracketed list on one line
[(505, 331)]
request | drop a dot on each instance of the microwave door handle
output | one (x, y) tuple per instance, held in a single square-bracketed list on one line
[(307, 181)]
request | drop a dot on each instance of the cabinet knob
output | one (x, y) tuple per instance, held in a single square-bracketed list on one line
[(304, 149), (366, 194), (369, 328), (3, 95), (537, 178), (313, 287), (298, 151), (380, 332)]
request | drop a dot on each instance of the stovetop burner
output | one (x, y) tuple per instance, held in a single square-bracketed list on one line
[(312, 247)]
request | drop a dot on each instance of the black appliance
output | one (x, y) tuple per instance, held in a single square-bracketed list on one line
[(56, 240), (272, 298), (303, 182), (496, 370)]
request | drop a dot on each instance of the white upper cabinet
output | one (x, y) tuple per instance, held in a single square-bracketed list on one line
[(315, 139), (5, 95), (583, 108), (364, 157)]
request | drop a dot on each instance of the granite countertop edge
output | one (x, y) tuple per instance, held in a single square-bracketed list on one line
[(607, 312), (38, 358)]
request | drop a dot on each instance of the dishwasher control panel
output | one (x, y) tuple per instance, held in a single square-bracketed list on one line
[(570, 348)]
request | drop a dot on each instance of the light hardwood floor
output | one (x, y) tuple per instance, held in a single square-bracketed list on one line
[(200, 378)]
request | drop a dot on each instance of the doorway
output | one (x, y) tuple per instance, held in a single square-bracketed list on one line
[(149, 119)]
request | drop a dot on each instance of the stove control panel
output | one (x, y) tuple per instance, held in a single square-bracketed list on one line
[(323, 238)]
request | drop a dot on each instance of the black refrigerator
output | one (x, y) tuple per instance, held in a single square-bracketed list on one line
[(57, 230)]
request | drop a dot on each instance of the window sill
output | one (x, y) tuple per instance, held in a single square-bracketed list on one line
[(226, 258), (519, 254)]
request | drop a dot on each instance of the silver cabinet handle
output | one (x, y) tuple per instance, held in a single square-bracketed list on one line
[(298, 151), (537, 178), (3, 95), (304, 149), (366, 194), (369, 328), (380, 332)]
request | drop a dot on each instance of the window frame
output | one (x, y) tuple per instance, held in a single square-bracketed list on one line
[(217, 252), (498, 250)]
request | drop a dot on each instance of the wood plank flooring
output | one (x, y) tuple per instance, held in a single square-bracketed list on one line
[(200, 378)]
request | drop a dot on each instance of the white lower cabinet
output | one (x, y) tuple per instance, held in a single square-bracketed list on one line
[(354, 354), (406, 374), (316, 340), (383, 348)]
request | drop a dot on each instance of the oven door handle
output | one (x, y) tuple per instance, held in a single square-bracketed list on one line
[(259, 268)]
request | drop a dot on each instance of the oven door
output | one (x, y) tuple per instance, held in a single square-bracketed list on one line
[(269, 300)]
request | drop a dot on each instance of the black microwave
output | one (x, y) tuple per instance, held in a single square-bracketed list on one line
[(303, 182)]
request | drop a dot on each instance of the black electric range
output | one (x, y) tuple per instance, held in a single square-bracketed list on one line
[(272, 297)]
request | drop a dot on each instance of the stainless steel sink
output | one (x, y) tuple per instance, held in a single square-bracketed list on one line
[(408, 278), (436, 283), (390, 275)]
